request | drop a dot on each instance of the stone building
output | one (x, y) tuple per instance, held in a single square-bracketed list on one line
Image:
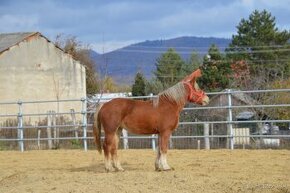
[(32, 68)]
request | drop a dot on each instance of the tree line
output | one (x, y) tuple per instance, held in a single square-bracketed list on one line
[(258, 57)]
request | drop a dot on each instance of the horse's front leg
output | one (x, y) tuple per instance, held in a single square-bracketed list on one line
[(161, 160)]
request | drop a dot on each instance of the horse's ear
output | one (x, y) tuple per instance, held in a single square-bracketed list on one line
[(197, 73), (193, 76)]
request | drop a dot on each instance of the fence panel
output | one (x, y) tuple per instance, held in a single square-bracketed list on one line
[(232, 120)]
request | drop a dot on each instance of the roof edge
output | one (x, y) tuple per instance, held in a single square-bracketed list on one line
[(31, 34), (27, 37)]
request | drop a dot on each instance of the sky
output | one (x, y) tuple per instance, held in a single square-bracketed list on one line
[(107, 25)]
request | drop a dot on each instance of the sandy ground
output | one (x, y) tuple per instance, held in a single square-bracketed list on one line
[(195, 171)]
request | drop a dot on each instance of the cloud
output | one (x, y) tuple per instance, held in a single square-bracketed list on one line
[(16, 23), (118, 23)]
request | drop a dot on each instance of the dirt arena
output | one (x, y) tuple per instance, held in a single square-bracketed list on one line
[(64, 171)]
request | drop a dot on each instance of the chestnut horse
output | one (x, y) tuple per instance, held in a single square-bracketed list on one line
[(159, 116)]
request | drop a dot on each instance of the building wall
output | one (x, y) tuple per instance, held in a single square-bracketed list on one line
[(37, 70)]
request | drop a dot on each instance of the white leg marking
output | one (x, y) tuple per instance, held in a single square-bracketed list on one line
[(117, 164), (157, 162), (108, 165), (163, 162)]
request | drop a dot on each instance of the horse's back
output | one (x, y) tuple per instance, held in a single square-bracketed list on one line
[(121, 107)]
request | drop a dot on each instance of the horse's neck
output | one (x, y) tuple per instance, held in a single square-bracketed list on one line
[(171, 104)]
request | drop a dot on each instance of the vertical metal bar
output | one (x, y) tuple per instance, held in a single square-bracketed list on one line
[(48, 130), (153, 143), (55, 129), (38, 138), (153, 140), (20, 127), (198, 144), (84, 124), (230, 117), (206, 136), (170, 142), (125, 139)]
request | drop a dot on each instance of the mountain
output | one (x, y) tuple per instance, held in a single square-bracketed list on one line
[(122, 64)]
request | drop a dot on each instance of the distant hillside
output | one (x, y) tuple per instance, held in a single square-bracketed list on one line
[(122, 64)]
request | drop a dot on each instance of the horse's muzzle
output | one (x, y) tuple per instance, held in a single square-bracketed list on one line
[(205, 100)]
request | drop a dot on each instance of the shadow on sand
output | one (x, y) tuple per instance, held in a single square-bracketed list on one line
[(100, 168)]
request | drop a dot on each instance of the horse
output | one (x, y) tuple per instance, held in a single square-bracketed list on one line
[(159, 116)]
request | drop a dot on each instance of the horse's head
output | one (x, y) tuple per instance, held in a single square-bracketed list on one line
[(195, 94)]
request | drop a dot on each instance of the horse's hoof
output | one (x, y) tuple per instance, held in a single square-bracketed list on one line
[(158, 169), (164, 169), (120, 170), (109, 170)]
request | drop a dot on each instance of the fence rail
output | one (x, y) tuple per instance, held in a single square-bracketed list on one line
[(84, 124)]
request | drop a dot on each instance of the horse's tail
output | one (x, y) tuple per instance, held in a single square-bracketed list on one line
[(97, 129)]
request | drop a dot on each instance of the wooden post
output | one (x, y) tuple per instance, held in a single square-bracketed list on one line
[(38, 138), (48, 130), (198, 144), (206, 136), (38, 135), (211, 139)]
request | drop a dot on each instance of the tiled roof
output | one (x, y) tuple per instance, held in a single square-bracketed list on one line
[(8, 40)]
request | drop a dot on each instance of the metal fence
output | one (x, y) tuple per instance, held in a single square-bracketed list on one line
[(213, 126)]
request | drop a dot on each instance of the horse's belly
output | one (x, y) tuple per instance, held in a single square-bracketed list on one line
[(142, 126), (141, 131)]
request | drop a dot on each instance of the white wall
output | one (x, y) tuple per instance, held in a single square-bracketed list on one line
[(37, 70)]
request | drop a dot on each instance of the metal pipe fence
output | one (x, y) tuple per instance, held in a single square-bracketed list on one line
[(208, 129)]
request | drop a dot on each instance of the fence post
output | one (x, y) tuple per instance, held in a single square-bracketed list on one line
[(73, 117), (20, 127), (211, 139), (230, 119), (125, 139), (55, 130), (153, 142), (38, 136), (84, 124), (48, 129), (206, 136), (153, 136)]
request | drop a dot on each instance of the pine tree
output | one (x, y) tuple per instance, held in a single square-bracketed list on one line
[(192, 64), (153, 86), (263, 47), (138, 88), (216, 71), (168, 68)]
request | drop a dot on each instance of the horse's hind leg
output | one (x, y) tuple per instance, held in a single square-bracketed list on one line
[(116, 162), (108, 146)]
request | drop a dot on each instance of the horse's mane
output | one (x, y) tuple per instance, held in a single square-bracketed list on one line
[(176, 94)]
